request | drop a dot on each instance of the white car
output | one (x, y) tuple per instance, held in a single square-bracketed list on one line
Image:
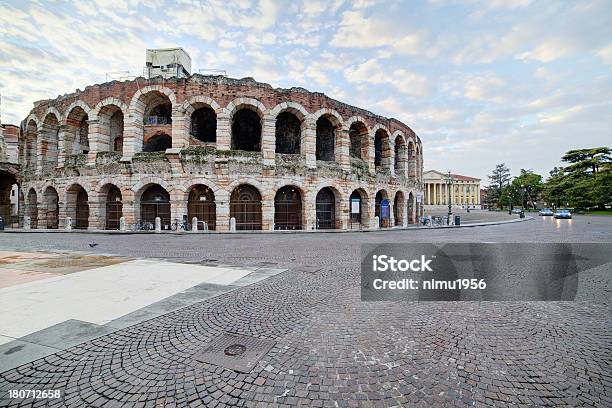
[(563, 213), (546, 211)]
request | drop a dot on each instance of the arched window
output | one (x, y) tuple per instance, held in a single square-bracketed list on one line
[(288, 133), (158, 143), (246, 131), (204, 125), (326, 139), (114, 208), (358, 134), (245, 207), (155, 202), (326, 209), (288, 209), (201, 204)]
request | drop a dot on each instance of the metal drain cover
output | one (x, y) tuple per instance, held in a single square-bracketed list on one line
[(235, 351)]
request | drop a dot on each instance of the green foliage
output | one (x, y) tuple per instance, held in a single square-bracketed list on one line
[(585, 182), (499, 179)]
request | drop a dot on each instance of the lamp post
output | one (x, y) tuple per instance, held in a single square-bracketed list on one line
[(449, 181)]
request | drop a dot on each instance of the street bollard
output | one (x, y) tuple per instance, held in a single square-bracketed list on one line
[(232, 225), (157, 225), (205, 226), (1, 224), (68, 223), (122, 224), (27, 223), (376, 222), (194, 224)]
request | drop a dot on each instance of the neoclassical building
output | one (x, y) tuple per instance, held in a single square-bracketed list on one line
[(463, 191), (214, 148)]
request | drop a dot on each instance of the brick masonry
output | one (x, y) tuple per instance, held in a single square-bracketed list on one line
[(58, 160)]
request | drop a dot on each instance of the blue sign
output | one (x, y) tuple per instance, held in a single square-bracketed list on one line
[(385, 209)]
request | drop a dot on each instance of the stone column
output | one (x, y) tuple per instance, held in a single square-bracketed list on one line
[(308, 143), (268, 140), (223, 214), (267, 213), (96, 219), (391, 159), (178, 208), (95, 137), (310, 212), (132, 134), (224, 129), (180, 134), (371, 153), (343, 145)]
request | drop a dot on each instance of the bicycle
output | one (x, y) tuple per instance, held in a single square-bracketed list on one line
[(144, 226), (183, 226)]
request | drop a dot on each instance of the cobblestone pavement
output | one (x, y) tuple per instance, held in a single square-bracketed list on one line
[(332, 349)]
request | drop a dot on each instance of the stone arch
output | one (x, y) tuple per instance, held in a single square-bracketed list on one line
[(49, 139), (141, 108), (328, 208), (289, 208), (359, 214), (76, 134), (382, 147), (152, 200), (379, 208), (246, 118), (50, 207), (201, 203), (400, 154), (110, 205), (145, 182), (290, 127), (110, 114), (359, 137), (411, 207), (411, 159), (201, 113), (246, 207), (246, 103), (399, 208), (31, 207), (78, 205), (31, 143), (328, 125)]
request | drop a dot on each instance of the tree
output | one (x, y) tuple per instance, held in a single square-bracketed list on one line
[(585, 182), (499, 179), (527, 187)]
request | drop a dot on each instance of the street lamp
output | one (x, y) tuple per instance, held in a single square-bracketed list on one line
[(449, 181)]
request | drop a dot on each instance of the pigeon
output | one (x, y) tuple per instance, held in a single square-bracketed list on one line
[(93, 244)]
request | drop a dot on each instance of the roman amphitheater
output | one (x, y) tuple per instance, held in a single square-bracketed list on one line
[(233, 153)]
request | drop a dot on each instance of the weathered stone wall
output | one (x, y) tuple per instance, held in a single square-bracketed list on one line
[(191, 162)]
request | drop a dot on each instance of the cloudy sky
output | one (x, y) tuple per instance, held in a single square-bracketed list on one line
[(481, 82)]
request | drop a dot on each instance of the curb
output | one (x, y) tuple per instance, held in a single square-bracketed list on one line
[(413, 228)]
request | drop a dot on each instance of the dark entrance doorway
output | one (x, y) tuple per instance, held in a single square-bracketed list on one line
[(201, 204), (81, 220), (355, 210), (245, 207), (114, 208), (326, 209), (382, 210), (155, 202), (288, 209)]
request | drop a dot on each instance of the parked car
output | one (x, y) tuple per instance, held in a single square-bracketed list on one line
[(517, 210), (545, 211), (563, 213)]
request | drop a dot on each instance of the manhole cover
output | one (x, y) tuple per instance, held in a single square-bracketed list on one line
[(235, 351)]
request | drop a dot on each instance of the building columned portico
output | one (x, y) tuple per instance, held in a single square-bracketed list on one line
[(464, 191)]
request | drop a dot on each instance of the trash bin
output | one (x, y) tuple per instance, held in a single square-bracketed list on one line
[(1, 224), (522, 214), (457, 220)]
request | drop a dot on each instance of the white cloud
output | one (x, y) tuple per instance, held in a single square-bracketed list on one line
[(376, 72), (605, 54)]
